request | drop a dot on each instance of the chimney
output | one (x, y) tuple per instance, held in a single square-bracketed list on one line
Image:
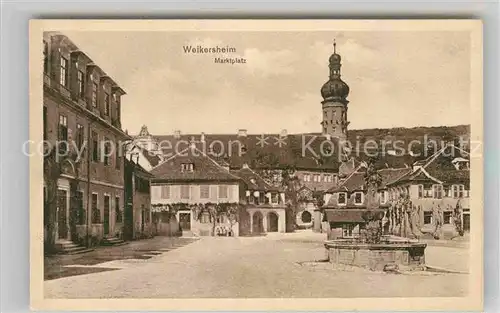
[(177, 134), (284, 133), (202, 137), (242, 132)]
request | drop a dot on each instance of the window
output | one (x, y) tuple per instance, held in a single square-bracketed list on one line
[(274, 198), (63, 79), (262, 198), (106, 104), (420, 191), (427, 217), (81, 85), (327, 178), (204, 191), (223, 191), (358, 198), (187, 167), (205, 218), (82, 217), (383, 197), (347, 230), (185, 191), (118, 212), (45, 57), (307, 177), (79, 136), (342, 200), (63, 134), (447, 217), (165, 192), (107, 151), (316, 178), (118, 156), (438, 191), (95, 147), (94, 94), (458, 191), (96, 215), (45, 117)]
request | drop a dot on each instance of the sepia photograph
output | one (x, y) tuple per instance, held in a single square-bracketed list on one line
[(256, 164)]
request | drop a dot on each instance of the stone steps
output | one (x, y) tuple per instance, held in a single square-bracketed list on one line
[(113, 241), (69, 247)]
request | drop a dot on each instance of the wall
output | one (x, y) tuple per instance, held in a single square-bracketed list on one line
[(175, 194), (280, 212)]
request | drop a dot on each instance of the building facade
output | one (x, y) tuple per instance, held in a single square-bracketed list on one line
[(196, 193), (82, 107), (138, 219)]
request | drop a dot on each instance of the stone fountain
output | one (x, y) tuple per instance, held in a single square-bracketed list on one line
[(372, 249)]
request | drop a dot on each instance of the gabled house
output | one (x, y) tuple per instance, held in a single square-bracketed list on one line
[(265, 204), (189, 187), (345, 204), (442, 180)]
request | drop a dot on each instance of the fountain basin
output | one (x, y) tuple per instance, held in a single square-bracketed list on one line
[(391, 252)]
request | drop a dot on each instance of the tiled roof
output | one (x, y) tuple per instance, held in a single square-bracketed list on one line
[(253, 180), (141, 171), (439, 167), (261, 151), (392, 174), (153, 159), (205, 169)]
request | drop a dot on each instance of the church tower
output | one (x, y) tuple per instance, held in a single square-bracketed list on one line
[(334, 104)]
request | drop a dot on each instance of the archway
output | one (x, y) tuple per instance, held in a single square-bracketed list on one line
[(244, 224), (272, 222), (306, 217), (257, 223)]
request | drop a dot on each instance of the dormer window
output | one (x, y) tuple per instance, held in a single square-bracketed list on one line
[(358, 198), (252, 180), (342, 199), (187, 167)]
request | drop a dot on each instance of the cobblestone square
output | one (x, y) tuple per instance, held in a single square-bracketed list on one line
[(273, 266)]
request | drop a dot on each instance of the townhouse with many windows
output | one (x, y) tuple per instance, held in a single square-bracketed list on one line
[(82, 106)]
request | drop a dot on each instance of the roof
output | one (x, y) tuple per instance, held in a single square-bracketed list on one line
[(439, 168), (205, 169), (302, 151), (260, 151), (153, 159), (253, 180), (346, 215), (138, 169)]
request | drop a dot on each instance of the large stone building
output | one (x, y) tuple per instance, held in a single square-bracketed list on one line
[(82, 106), (319, 163)]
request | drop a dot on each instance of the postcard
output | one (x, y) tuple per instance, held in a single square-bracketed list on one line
[(247, 165)]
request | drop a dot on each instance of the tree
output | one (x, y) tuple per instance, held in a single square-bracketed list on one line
[(291, 184)]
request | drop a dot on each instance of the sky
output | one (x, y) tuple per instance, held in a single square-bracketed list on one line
[(396, 79)]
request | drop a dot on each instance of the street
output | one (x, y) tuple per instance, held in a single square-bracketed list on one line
[(277, 265)]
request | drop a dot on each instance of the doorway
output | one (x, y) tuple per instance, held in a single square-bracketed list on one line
[(106, 215), (272, 222), (185, 220), (257, 223), (62, 214)]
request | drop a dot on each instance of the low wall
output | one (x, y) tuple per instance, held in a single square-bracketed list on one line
[(408, 256)]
